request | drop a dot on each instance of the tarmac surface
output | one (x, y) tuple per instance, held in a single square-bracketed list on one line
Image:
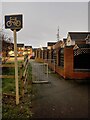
[(60, 98)]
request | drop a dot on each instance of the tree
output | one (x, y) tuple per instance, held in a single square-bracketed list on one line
[(5, 45)]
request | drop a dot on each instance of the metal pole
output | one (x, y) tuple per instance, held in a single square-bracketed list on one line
[(47, 70), (54, 65), (16, 68)]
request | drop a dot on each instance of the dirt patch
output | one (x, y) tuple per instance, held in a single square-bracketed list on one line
[(12, 111)]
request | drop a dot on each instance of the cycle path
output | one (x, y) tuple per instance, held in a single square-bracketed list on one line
[(60, 98)]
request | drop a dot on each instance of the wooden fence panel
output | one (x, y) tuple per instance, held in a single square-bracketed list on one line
[(24, 74), (7, 76)]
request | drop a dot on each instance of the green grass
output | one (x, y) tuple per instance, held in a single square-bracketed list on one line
[(9, 108), (29, 72), (8, 84)]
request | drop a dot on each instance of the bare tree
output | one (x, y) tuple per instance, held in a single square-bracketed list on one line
[(5, 45)]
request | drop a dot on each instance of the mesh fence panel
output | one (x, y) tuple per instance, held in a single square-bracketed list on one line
[(39, 72)]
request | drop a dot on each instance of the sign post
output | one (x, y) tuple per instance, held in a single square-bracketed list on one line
[(16, 67), (14, 22)]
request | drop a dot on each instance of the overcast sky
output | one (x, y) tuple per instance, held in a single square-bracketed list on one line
[(41, 19)]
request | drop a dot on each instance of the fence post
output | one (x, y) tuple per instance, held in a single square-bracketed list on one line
[(24, 75), (21, 77), (22, 86)]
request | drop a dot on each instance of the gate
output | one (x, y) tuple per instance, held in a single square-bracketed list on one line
[(39, 72), (50, 61)]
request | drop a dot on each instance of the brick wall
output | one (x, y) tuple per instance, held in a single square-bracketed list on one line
[(68, 71), (68, 61)]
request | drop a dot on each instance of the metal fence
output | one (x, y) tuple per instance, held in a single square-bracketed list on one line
[(39, 72), (81, 58), (61, 56)]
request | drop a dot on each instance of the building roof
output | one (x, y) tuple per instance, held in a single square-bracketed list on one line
[(57, 45), (51, 43), (44, 48), (34, 49), (64, 39), (83, 45), (28, 46), (78, 35), (20, 45)]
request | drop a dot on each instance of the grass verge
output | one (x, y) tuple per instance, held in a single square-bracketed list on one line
[(9, 108)]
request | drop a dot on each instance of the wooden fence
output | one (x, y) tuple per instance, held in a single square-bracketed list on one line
[(5, 66), (23, 73)]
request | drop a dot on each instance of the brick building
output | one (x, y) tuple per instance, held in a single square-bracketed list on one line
[(70, 56), (28, 50), (20, 49), (76, 38)]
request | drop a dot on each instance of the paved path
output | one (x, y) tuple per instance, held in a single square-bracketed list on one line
[(60, 98)]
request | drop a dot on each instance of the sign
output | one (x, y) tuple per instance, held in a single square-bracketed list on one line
[(13, 22)]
